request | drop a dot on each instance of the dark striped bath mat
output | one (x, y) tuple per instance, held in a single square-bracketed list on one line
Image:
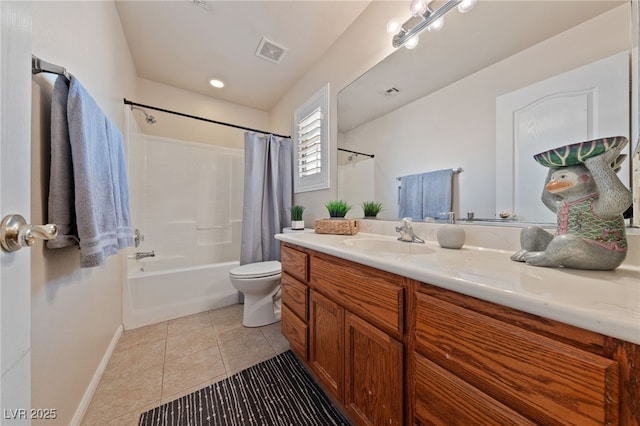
[(278, 391)]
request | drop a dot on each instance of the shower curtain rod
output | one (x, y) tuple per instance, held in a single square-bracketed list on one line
[(356, 152), (195, 117)]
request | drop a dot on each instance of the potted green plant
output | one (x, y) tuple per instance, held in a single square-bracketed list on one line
[(371, 209), (296, 217), (337, 208)]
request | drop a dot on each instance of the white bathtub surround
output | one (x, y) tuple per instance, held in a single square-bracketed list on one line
[(606, 302), (154, 296), (186, 198)]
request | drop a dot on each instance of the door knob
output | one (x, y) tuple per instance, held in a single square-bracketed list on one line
[(15, 233)]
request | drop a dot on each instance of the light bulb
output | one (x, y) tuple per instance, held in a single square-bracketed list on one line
[(412, 42), (418, 7), (466, 5), (216, 83), (393, 26), (436, 25)]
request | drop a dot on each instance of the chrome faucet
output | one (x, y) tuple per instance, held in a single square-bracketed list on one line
[(138, 237), (143, 254), (406, 232)]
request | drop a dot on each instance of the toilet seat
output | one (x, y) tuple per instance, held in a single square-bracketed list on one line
[(257, 270)]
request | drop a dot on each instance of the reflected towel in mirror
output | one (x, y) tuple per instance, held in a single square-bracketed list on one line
[(426, 194)]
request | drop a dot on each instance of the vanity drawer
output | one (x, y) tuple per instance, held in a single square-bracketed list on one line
[(543, 379), (374, 295), (295, 263), (295, 296), (443, 399), (295, 331)]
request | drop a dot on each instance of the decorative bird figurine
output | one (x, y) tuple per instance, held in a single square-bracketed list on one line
[(589, 201)]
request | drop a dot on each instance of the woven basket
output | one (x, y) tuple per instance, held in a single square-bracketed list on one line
[(336, 226)]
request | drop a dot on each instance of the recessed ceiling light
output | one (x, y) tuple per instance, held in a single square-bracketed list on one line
[(216, 83)]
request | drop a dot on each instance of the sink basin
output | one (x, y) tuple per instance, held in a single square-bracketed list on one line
[(380, 246)]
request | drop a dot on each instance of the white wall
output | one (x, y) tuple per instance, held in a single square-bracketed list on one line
[(175, 127), (363, 45), (75, 313), (456, 126)]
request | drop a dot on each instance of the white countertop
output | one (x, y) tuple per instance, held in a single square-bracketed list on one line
[(606, 302)]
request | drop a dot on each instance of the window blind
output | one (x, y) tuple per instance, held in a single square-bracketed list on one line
[(309, 131)]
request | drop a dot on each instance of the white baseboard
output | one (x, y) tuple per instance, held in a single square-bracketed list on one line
[(93, 385)]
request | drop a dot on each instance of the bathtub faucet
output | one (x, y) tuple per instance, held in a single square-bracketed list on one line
[(143, 254)]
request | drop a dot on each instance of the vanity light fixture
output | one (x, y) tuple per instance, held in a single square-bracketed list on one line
[(422, 16)]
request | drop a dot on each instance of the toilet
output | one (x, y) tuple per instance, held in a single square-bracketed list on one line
[(260, 284)]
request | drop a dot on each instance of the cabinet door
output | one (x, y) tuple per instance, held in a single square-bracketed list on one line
[(326, 343), (373, 367)]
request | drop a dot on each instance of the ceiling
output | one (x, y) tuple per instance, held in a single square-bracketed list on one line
[(183, 44)]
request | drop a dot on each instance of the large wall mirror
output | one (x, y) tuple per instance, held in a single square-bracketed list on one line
[(451, 102)]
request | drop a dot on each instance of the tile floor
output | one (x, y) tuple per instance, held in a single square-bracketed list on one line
[(158, 363)]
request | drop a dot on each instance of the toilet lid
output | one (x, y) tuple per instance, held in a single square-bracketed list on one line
[(257, 270)]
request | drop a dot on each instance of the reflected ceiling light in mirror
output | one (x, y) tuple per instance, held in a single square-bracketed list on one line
[(422, 16)]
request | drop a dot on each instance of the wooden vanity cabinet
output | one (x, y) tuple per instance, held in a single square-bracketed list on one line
[(295, 299), (392, 350), (355, 318), (501, 366), (357, 313)]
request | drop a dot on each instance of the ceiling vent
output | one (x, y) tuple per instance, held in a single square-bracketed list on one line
[(201, 3), (270, 51)]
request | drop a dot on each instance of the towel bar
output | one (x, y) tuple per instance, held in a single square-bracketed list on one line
[(455, 172), (38, 66)]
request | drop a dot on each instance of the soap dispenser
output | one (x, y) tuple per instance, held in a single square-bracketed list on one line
[(451, 235)]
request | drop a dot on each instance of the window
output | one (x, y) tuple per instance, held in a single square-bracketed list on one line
[(311, 141)]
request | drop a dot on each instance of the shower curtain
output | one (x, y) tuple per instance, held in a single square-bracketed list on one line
[(268, 192)]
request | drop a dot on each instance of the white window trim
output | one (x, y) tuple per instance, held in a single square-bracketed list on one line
[(319, 180)]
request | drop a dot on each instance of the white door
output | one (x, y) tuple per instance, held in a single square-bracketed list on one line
[(15, 197), (586, 103)]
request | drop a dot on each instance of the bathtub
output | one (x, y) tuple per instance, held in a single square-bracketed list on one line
[(159, 289)]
